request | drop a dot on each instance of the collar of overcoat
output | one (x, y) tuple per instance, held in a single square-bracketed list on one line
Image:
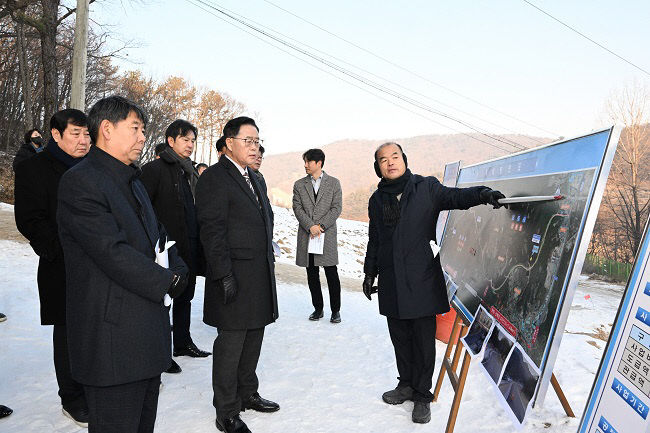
[(239, 179), (310, 188)]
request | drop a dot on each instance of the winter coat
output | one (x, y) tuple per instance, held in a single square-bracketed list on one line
[(36, 195), (162, 178), (411, 283), (118, 327), (323, 209), (25, 151), (236, 234)]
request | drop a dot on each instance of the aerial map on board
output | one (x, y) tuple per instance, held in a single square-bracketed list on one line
[(514, 261)]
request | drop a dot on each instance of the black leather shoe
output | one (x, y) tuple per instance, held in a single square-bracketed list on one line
[(316, 315), (5, 411), (336, 317), (174, 368), (191, 350), (79, 416), (255, 402), (232, 425)]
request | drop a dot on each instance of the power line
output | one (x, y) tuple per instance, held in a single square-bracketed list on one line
[(390, 62), (358, 77), (586, 37), (193, 2), (383, 78)]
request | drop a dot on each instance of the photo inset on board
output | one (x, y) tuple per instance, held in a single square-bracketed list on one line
[(479, 332), (518, 383), (496, 352)]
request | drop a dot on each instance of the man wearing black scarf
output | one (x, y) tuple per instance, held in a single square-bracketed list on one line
[(170, 182), (36, 195), (403, 213)]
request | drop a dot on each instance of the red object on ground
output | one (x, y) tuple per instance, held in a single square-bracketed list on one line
[(444, 325)]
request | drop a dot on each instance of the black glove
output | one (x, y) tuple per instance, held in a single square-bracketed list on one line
[(368, 288), (178, 286), (489, 196), (229, 285)]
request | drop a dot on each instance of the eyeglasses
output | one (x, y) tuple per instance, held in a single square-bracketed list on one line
[(250, 142)]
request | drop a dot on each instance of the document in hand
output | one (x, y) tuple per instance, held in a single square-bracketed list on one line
[(316, 244), (162, 258), (434, 248)]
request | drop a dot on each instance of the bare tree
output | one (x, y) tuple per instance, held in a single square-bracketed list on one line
[(628, 193), (43, 16)]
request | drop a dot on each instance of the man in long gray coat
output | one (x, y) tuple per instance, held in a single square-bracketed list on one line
[(317, 203)]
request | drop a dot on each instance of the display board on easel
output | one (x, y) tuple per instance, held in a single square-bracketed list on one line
[(620, 397), (522, 264)]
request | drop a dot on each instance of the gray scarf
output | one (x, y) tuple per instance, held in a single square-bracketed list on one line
[(187, 165)]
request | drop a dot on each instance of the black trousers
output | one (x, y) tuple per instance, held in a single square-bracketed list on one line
[(128, 408), (333, 284), (234, 361), (70, 391), (181, 312), (414, 341)]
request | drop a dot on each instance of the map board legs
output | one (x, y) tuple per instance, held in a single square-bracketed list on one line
[(449, 366)]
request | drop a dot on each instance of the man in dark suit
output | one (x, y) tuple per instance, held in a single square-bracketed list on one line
[(403, 212), (235, 220), (170, 182), (255, 166), (36, 193), (119, 337)]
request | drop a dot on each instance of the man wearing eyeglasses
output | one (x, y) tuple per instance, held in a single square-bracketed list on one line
[(255, 166), (236, 228)]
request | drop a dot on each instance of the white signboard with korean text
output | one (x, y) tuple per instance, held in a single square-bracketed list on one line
[(620, 396)]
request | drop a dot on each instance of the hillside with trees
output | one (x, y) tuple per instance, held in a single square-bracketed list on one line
[(351, 161)]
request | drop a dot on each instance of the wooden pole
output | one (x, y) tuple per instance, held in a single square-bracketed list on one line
[(79, 57), (455, 330), (560, 395), (453, 413)]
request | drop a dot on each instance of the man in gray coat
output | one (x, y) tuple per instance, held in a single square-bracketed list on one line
[(317, 203)]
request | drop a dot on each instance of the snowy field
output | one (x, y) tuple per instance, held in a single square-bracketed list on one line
[(326, 378), (351, 235)]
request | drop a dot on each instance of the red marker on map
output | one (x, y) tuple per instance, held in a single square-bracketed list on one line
[(530, 198)]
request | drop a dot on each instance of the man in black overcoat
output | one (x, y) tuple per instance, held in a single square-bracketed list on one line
[(170, 182), (235, 220), (36, 195), (119, 336), (403, 212)]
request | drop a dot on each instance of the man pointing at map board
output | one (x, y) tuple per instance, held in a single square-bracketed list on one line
[(403, 212)]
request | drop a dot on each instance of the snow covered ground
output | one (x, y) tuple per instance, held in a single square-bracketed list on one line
[(327, 378), (351, 235)]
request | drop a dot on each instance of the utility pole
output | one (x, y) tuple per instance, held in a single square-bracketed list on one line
[(79, 57)]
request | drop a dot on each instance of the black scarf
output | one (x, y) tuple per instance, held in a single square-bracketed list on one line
[(59, 154), (187, 166), (390, 189)]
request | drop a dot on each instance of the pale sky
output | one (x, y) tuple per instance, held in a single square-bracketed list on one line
[(502, 53)]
